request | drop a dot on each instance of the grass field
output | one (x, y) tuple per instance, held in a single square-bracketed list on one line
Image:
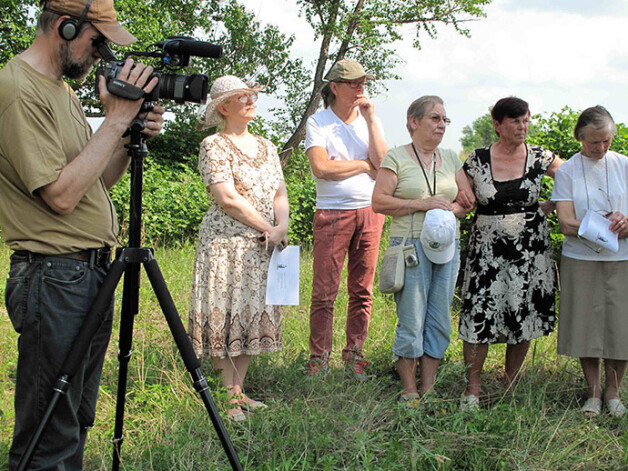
[(335, 423)]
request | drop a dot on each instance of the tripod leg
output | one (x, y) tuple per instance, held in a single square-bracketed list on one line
[(77, 352), (190, 359), (130, 307)]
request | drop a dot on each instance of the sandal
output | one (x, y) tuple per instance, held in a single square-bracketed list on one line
[(592, 406), (410, 400), (253, 405), (469, 402), (237, 416), (615, 407)]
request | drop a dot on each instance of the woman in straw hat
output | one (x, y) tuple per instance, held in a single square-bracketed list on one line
[(248, 216)]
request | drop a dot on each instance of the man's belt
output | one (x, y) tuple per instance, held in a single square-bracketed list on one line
[(99, 257)]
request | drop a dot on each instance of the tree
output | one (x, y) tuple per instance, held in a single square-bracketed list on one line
[(480, 133), (250, 51), (363, 29), (366, 30), (173, 189), (555, 132), (15, 32)]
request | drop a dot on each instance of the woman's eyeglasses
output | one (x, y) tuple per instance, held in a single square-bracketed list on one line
[(244, 99), (353, 83), (436, 119)]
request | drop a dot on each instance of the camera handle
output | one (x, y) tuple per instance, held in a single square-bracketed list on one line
[(124, 89), (127, 262)]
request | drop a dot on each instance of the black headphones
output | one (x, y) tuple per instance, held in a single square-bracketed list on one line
[(70, 27)]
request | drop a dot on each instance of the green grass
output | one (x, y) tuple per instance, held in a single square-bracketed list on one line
[(333, 424)]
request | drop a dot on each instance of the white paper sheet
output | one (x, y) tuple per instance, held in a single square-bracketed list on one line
[(282, 286), (595, 227)]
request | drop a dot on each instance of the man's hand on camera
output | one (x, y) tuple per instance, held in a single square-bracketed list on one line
[(154, 121), (121, 111)]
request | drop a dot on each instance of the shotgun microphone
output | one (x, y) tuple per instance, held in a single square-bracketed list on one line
[(190, 47)]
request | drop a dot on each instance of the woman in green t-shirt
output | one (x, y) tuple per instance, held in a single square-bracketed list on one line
[(412, 180)]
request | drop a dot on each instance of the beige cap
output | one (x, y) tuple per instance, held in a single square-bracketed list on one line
[(347, 69), (100, 14)]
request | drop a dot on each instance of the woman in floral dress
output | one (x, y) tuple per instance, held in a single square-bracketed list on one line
[(508, 290), (248, 216)]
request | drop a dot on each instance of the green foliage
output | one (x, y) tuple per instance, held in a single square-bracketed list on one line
[(480, 133), (555, 132), (179, 142), (620, 142), (17, 28), (250, 50), (302, 197), (174, 201)]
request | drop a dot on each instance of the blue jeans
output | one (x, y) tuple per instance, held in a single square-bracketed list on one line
[(47, 300), (424, 323)]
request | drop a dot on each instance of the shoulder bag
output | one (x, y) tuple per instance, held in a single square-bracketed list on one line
[(393, 269)]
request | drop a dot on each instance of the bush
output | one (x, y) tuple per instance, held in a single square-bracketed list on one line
[(555, 132), (174, 203), (302, 196)]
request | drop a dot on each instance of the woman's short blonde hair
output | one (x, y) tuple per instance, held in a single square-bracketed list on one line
[(419, 107)]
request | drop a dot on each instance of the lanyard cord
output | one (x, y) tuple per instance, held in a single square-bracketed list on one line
[(432, 193), (586, 187)]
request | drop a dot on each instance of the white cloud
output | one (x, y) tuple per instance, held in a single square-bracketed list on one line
[(550, 53)]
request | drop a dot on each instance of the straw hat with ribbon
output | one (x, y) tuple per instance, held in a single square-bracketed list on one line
[(222, 89)]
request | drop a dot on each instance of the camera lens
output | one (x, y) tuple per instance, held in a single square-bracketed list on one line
[(411, 260), (183, 88)]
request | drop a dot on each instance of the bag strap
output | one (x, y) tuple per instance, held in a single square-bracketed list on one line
[(410, 229)]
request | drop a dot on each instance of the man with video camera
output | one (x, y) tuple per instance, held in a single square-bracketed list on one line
[(57, 217)]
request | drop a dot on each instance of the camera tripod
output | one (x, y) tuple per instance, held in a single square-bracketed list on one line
[(127, 262)]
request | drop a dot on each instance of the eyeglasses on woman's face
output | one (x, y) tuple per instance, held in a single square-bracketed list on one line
[(360, 83), (436, 119), (244, 99)]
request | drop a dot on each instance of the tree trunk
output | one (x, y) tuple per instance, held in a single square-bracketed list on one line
[(315, 98)]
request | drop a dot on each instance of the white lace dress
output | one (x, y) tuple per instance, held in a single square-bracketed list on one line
[(228, 314)]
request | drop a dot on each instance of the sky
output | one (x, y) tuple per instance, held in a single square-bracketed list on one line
[(551, 53)]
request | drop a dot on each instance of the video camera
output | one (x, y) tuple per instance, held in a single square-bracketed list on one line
[(173, 53)]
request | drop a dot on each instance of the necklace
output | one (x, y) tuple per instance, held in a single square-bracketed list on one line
[(429, 187)]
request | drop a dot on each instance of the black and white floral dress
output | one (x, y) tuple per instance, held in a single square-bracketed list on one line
[(508, 290)]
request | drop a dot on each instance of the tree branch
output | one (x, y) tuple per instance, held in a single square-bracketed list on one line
[(315, 96)]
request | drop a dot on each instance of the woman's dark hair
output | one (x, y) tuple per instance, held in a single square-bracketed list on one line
[(328, 96), (596, 117), (509, 107)]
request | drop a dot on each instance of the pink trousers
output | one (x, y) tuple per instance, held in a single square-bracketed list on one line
[(337, 232)]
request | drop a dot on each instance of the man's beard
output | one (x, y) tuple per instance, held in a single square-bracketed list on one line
[(71, 69)]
